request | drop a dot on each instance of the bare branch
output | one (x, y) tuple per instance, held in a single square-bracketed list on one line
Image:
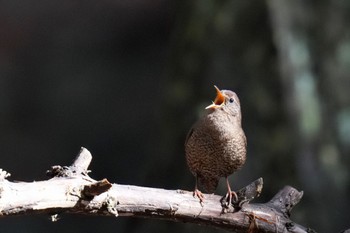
[(71, 190)]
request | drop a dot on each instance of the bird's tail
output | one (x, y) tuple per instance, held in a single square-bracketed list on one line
[(209, 183)]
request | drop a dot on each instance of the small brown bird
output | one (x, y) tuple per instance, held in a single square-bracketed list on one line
[(216, 145)]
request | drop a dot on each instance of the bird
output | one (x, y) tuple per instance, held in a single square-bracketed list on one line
[(216, 145)]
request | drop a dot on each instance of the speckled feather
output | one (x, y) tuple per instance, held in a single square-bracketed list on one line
[(216, 145)]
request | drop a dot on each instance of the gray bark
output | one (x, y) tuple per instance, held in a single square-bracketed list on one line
[(71, 190)]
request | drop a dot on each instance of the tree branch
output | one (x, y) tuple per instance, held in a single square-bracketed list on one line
[(71, 190)]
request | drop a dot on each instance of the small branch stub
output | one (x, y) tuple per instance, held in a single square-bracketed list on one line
[(248, 193), (78, 168), (286, 199), (244, 195), (82, 161)]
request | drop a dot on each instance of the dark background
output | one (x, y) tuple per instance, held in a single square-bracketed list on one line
[(126, 80)]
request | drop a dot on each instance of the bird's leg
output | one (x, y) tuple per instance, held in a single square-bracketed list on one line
[(227, 199), (197, 193)]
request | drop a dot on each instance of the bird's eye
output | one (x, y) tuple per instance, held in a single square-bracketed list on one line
[(231, 100)]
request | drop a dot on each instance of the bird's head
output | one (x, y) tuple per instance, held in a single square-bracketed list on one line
[(226, 101)]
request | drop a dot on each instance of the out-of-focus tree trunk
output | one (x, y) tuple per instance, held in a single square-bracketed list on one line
[(313, 50)]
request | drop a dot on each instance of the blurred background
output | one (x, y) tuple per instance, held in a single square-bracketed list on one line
[(127, 79)]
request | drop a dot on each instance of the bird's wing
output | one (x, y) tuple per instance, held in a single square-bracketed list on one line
[(189, 135)]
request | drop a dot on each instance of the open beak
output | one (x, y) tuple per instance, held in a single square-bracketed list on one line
[(219, 100)]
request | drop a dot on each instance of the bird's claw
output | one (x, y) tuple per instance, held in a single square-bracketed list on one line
[(229, 199), (199, 194)]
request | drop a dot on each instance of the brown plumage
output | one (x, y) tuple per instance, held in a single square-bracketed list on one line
[(216, 145)]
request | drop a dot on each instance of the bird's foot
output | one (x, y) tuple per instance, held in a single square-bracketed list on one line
[(229, 199), (199, 194)]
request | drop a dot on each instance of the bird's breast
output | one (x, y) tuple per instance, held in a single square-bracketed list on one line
[(217, 145)]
